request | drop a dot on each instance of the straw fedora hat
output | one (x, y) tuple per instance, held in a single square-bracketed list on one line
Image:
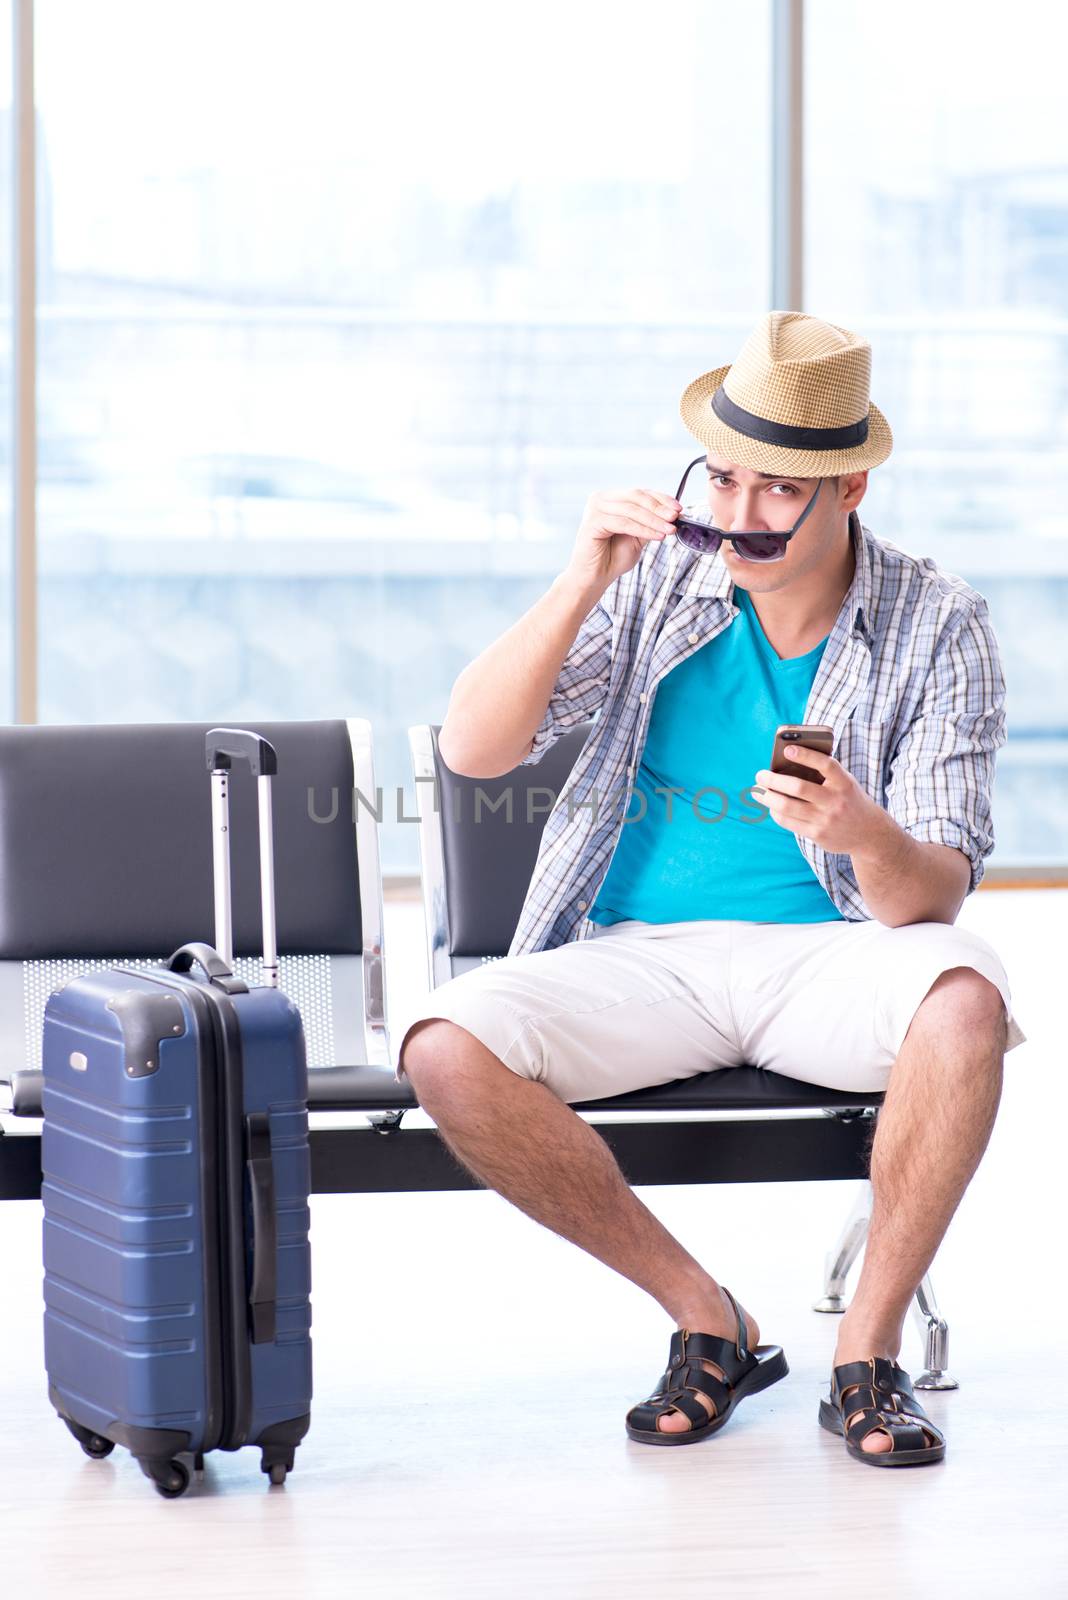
[(795, 401)]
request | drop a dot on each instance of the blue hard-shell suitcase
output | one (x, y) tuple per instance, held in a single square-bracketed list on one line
[(176, 1179)]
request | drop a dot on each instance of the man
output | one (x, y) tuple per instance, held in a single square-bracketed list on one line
[(810, 932)]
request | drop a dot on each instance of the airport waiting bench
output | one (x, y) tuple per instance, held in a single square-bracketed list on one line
[(105, 860)]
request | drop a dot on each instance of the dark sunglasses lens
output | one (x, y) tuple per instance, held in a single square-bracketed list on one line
[(703, 538), (697, 536), (761, 547)]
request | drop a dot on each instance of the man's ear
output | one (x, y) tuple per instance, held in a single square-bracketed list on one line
[(852, 487)]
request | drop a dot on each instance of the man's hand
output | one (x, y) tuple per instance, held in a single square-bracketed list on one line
[(901, 879), (836, 814), (613, 534)]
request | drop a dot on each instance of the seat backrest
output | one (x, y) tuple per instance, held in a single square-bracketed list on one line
[(479, 841), (106, 859)]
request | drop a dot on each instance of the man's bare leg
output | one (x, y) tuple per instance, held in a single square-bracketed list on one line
[(520, 1139), (933, 1126)]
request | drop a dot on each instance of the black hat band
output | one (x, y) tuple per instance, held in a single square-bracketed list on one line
[(781, 433)]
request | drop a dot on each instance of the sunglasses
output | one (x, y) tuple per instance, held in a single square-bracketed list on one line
[(695, 529)]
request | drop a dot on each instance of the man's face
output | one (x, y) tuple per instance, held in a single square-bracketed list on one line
[(743, 500)]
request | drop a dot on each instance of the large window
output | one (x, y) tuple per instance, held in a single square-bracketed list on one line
[(345, 311), (936, 213)]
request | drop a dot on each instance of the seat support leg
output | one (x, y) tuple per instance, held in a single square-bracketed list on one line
[(842, 1257), (935, 1334)]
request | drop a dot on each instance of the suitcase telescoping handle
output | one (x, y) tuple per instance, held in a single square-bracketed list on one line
[(222, 747)]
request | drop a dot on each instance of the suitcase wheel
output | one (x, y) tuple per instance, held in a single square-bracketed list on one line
[(276, 1461), (171, 1478), (94, 1444)]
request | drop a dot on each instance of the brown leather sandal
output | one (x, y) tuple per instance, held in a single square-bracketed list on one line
[(882, 1398), (746, 1371)]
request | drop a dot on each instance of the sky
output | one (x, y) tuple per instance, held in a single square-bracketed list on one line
[(475, 93), (479, 92), (921, 88)]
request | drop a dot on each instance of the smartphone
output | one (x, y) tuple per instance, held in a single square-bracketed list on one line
[(810, 736)]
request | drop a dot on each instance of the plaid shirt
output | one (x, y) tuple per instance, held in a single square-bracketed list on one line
[(910, 680)]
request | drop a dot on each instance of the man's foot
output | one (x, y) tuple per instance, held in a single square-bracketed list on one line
[(715, 1317), (861, 1347), (883, 1400), (694, 1384)]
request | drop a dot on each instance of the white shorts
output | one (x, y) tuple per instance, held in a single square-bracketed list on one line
[(643, 1003)]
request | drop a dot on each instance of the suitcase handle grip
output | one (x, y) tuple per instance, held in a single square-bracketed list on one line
[(202, 955), (263, 1291), (222, 745)]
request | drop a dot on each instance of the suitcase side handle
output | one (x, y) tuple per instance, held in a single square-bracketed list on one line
[(211, 962), (263, 1290)]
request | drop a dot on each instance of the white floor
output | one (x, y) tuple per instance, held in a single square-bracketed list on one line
[(473, 1371)]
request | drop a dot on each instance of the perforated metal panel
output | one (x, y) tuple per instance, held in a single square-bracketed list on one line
[(307, 980)]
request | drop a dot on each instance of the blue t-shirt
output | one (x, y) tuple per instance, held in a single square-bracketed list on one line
[(721, 856)]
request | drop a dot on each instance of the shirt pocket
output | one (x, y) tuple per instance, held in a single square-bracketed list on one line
[(867, 746)]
